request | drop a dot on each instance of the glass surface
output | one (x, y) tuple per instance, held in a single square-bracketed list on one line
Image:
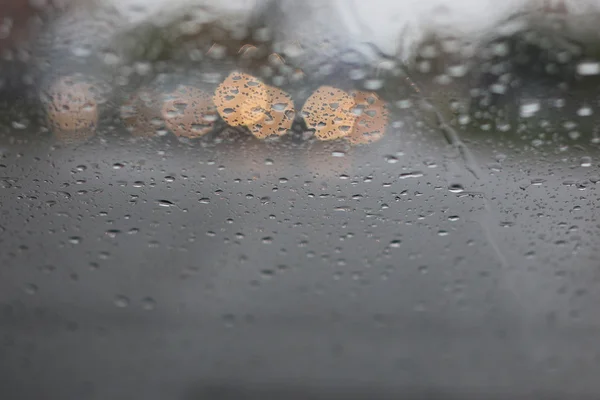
[(299, 200)]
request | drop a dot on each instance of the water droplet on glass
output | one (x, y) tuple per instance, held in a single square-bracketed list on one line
[(588, 68), (112, 233), (574, 135), (586, 162), (585, 111), (121, 301), (148, 303), (408, 175), (537, 181), (373, 84), (456, 188), (47, 269), (528, 110), (395, 244), (31, 289), (267, 274)]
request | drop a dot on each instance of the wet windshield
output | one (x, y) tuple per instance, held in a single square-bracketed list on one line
[(299, 199)]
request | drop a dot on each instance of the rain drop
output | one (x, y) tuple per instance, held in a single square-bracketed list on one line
[(31, 289), (456, 188), (121, 301), (148, 303), (395, 244), (586, 162)]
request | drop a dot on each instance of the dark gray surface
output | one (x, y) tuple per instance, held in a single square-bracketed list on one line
[(282, 270)]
